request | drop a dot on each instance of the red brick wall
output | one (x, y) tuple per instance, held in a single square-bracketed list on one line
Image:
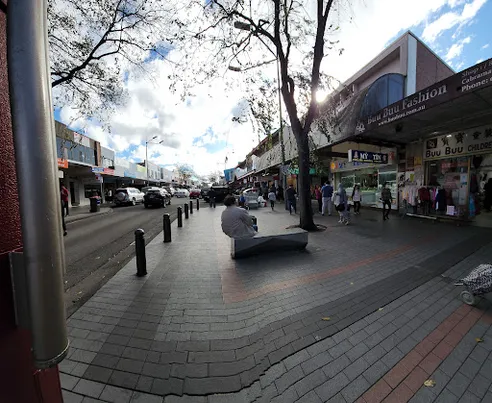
[(18, 383), (430, 69)]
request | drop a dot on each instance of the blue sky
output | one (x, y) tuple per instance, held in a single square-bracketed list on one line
[(198, 130), (475, 36)]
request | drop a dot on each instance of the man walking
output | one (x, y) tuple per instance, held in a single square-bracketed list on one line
[(327, 194), (386, 198), (211, 197), (291, 199)]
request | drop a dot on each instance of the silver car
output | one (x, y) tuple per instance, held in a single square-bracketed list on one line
[(128, 196)]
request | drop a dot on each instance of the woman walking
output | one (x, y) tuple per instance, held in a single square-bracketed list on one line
[(356, 198), (341, 204), (272, 198)]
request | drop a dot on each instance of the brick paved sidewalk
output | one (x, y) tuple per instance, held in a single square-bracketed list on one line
[(367, 313)]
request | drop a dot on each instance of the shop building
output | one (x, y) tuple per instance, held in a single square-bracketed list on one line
[(404, 68), (77, 155), (445, 134)]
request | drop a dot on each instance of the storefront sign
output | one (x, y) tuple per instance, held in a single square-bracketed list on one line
[(98, 170), (62, 163), (367, 156), (469, 142), (469, 80), (108, 171)]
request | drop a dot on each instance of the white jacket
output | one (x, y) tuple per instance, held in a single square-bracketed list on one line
[(237, 223)]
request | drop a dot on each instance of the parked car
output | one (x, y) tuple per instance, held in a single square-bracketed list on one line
[(170, 190), (182, 193), (157, 197), (220, 193), (125, 196), (204, 192), (195, 193)]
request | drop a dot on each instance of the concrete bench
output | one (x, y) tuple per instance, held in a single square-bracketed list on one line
[(288, 239)]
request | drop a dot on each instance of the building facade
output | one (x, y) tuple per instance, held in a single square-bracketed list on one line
[(86, 168), (344, 147)]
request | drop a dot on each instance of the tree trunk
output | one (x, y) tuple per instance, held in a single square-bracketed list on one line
[(303, 183)]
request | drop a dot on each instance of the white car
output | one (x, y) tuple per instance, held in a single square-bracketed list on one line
[(182, 193), (124, 196)]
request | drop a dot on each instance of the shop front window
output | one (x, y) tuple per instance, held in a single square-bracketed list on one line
[(367, 179), (449, 180)]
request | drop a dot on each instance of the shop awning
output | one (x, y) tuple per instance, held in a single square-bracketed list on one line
[(461, 101), (246, 175)]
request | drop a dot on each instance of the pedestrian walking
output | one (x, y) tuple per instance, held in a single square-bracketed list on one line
[(291, 199), (326, 194), (356, 198), (341, 204), (386, 198), (64, 199), (272, 198), (211, 197), (317, 194)]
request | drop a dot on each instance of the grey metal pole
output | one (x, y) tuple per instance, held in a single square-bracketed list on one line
[(35, 151)]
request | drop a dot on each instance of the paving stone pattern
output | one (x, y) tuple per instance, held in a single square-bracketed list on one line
[(201, 325)]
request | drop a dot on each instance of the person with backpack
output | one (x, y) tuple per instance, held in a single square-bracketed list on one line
[(341, 202)]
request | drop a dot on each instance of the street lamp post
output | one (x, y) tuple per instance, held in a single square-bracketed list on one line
[(147, 142)]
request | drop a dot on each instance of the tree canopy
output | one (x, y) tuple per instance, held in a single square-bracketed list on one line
[(227, 37), (94, 44)]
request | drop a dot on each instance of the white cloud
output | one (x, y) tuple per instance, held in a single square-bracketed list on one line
[(479, 61), (456, 49), (450, 19), (485, 46)]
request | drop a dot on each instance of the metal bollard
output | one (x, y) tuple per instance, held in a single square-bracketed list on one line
[(191, 206), (186, 211), (180, 217), (140, 252), (197, 204), (166, 226)]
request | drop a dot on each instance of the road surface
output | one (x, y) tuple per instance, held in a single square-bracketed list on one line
[(97, 247)]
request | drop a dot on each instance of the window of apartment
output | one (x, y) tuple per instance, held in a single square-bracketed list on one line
[(383, 92), (67, 149)]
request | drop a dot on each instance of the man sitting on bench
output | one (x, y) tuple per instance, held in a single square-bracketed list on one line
[(236, 222)]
